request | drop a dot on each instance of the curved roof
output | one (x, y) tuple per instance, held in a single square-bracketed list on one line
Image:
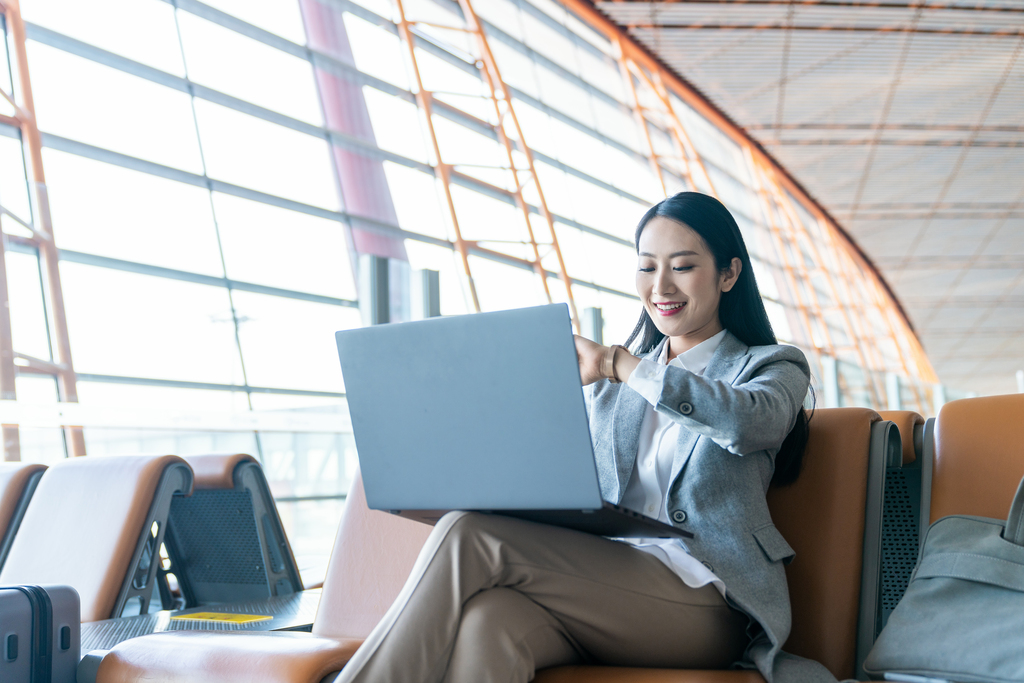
[(902, 119)]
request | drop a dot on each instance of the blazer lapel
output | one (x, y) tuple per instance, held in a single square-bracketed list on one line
[(725, 365), (626, 423)]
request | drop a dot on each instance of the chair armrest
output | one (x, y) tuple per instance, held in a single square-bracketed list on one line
[(225, 657)]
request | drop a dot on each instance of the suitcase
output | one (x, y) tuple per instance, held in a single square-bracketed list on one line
[(40, 634)]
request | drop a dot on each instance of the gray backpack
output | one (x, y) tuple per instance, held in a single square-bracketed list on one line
[(962, 617)]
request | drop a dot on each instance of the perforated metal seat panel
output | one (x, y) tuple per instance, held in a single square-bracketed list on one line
[(214, 533), (900, 534)]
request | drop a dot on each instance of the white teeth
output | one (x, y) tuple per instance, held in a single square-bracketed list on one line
[(668, 307)]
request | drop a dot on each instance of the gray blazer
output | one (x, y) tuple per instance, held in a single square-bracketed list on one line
[(747, 399)]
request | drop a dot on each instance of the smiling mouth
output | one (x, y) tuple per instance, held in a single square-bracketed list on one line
[(670, 308)]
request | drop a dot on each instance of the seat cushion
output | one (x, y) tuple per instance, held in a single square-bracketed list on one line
[(219, 657), (614, 674)]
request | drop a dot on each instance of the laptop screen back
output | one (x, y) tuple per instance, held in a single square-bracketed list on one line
[(475, 412)]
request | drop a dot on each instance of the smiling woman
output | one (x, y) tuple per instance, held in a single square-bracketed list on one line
[(680, 283), (695, 279), (690, 434)]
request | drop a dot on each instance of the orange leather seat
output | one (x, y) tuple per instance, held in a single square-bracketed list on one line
[(373, 555), (822, 516), (230, 522), (978, 456), (96, 524), (18, 481)]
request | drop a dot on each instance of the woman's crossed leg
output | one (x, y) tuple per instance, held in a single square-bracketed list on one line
[(491, 599)]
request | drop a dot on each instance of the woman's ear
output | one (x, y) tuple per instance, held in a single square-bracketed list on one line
[(731, 274)]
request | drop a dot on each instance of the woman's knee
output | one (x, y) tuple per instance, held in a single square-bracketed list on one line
[(495, 608), (459, 525)]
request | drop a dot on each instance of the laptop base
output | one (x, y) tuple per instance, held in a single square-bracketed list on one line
[(611, 520)]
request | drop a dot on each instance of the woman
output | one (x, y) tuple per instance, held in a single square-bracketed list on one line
[(691, 430)]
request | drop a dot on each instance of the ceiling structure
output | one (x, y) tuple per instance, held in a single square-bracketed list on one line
[(905, 120)]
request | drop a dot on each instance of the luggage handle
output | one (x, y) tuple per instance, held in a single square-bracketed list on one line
[(1014, 531)]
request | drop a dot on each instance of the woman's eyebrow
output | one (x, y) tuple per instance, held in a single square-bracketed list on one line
[(678, 253)]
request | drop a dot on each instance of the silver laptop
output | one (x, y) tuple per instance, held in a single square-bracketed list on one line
[(479, 412)]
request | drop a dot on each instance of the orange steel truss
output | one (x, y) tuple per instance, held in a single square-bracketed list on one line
[(13, 363), (664, 116), (790, 236), (775, 190), (500, 98)]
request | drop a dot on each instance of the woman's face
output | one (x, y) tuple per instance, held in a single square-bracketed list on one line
[(679, 282)]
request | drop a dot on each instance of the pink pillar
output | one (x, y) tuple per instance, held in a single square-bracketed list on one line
[(364, 187)]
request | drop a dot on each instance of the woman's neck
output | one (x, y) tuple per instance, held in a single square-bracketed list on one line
[(683, 343)]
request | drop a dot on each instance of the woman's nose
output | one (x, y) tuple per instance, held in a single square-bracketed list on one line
[(663, 283)]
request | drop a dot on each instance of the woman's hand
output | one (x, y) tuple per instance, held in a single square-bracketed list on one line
[(591, 356)]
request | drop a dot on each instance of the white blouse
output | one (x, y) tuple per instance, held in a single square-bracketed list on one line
[(648, 484)]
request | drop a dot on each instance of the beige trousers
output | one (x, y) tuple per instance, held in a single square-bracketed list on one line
[(492, 599)]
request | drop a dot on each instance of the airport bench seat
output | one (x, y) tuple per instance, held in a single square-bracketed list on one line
[(226, 542), (373, 554), (822, 515), (18, 481), (978, 451), (97, 524)]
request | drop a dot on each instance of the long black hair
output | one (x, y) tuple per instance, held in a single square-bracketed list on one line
[(740, 310)]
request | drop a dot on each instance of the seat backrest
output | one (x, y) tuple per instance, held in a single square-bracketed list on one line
[(978, 456), (96, 523), (373, 555), (911, 426), (225, 541), (18, 482), (823, 516)]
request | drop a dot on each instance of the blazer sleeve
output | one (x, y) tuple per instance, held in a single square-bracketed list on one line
[(753, 415)]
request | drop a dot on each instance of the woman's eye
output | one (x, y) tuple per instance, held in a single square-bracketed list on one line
[(682, 269), (647, 270)]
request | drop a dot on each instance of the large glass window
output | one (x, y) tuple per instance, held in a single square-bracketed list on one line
[(250, 152), (248, 69), (141, 326), (141, 30), (108, 210), (25, 297), (88, 102), (290, 344), (13, 187), (276, 247)]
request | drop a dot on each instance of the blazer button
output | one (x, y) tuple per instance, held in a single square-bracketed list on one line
[(685, 408), (708, 565), (678, 516)]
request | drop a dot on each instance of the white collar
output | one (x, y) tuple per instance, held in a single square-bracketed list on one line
[(696, 358)]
